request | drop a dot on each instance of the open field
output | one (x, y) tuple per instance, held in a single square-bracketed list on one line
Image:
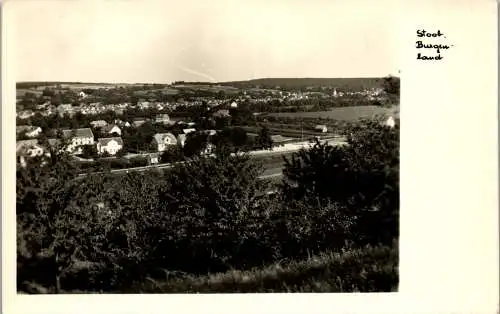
[(23, 91), (92, 86), (164, 91), (342, 113), (209, 88), (292, 133)]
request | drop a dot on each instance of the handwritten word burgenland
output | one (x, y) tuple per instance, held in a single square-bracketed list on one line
[(431, 50)]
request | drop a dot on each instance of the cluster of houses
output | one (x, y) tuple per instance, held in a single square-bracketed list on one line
[(110, 144), (47, 109)]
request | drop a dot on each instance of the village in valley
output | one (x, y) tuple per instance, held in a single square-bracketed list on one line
[(264, 185), (121, 126)]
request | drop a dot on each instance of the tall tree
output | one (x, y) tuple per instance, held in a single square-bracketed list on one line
[(209, 198), (264, 140), (391, 85)]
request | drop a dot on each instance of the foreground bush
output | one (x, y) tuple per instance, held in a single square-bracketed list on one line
[(104, 233), (208, 215)]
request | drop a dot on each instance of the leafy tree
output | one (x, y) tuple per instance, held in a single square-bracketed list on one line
[(89, 151), (264, 140), (391, 85), (174, 153), (209, 199), (48, 92), (122, 152), (50, 227), (195, 143), (235, 138)]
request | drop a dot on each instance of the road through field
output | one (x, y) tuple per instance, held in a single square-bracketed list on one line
[(273, 168)]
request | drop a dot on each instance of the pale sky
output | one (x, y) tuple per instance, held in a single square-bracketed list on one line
[(199, 40)]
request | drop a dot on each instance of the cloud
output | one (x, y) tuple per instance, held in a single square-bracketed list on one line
[(201, 74)]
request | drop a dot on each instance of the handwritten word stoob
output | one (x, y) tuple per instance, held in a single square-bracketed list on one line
[(424, 33), (428, 49)]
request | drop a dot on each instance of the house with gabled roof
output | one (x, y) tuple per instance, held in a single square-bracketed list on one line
[(29, 130), (98, 123), (321, 128), (110, 145), (111, 128), (162, 118), (163, 140), (153, 158), (78, 137), (28, 149), (63, 109), (223, 113), (138, 122)]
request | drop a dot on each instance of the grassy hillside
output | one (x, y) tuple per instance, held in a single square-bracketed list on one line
[(365, 270), (372, 269)]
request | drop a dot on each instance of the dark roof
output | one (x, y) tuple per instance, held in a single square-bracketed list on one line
[(160, 137), (105, 141), (26, 128), (85, 132)]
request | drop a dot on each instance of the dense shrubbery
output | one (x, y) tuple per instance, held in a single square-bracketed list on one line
[(104, 233), (364, 175)]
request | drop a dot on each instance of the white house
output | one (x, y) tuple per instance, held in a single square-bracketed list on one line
[(143, 104), (153, 158), (29, 148), (110, 145), (163, 140), (208, 150), (321, 128), (234, 105), (138, 122), (187, 131), (25, 114), (181, 139), (79, 137), (122, 123), (390, 122), (162, 118), (223, 113), (63, 109), (112, 128), (210, 132), (30, 131), (98, 123)]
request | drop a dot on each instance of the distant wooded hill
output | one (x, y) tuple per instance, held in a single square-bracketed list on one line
[(341, 83)]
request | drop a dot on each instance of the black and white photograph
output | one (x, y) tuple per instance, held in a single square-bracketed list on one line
[(206, 147)]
